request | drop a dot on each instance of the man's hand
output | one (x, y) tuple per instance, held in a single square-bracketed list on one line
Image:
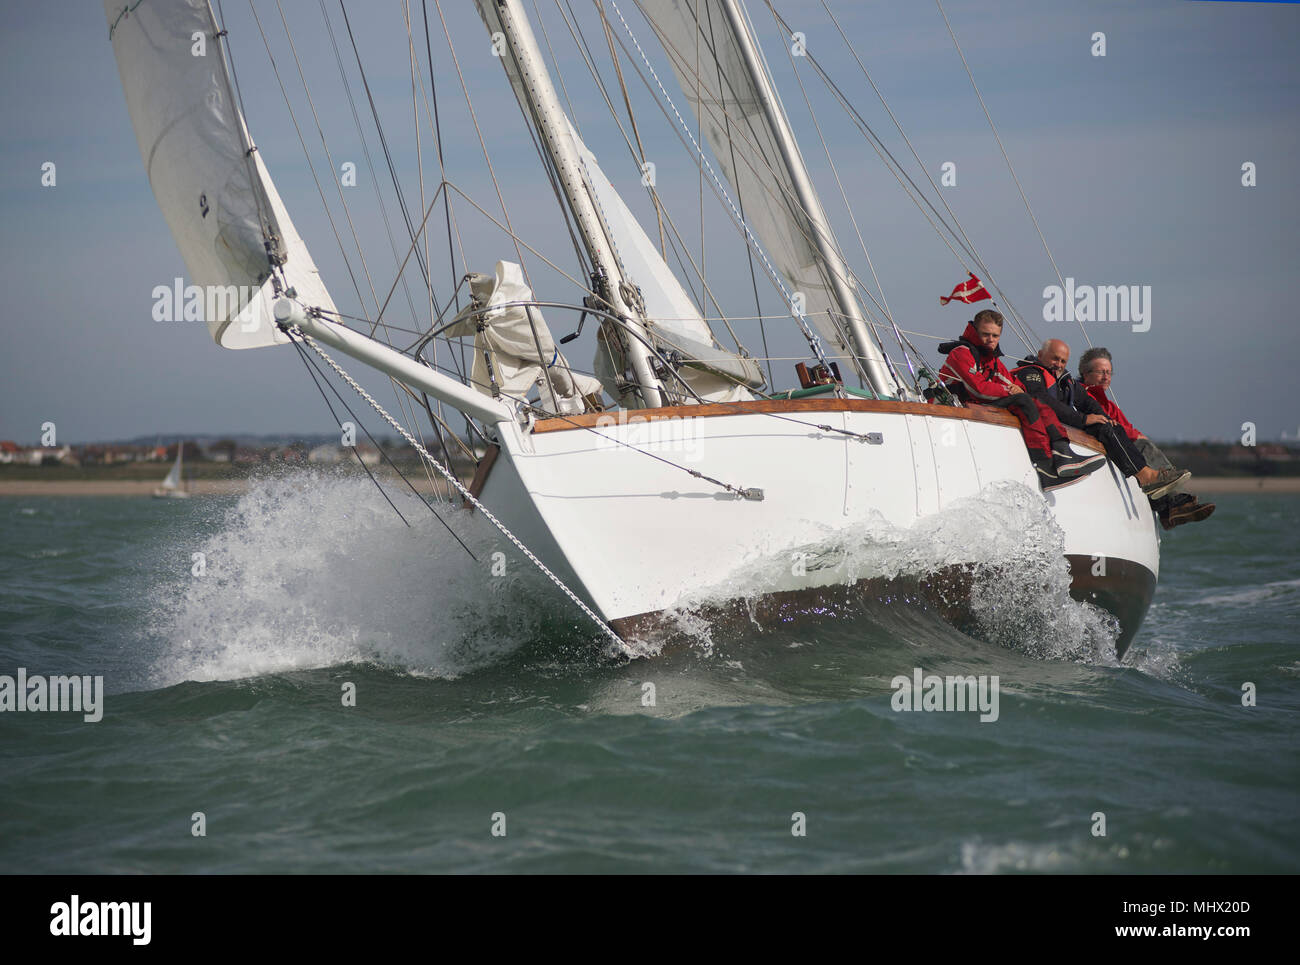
[(1094, 419), (1014, 390)]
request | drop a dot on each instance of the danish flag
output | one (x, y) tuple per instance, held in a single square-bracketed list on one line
[(968, 291)]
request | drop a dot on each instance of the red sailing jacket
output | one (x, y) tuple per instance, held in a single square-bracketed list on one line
[(1112, 411), (973, 374)]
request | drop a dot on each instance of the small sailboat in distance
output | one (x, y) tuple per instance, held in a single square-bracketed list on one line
[(173, 486)]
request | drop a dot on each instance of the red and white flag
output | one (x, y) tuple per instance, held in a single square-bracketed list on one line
[(968, 291)]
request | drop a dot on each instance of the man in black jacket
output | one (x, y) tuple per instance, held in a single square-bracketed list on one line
[(1047, 378)]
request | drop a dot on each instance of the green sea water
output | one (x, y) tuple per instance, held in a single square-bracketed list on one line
[(493, 732)]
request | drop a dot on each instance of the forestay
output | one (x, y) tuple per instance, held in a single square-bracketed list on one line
[(214, 191)]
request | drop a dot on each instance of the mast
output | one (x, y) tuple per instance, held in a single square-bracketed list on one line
[(608, 280), (869, 356)]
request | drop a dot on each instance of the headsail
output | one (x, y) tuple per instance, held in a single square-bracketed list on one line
[(213, 189)]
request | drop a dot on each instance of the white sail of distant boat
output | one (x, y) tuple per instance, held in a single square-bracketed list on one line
[(173, 485), (627, 524)]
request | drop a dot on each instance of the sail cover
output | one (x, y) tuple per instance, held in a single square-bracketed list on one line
[(519, 341), (744, 146), (215, 193)]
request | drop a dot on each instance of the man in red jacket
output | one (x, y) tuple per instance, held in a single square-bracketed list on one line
[(973, 373), (1095, 369)]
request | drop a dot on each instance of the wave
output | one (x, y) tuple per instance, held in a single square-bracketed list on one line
[(992, 564), (312, 570)]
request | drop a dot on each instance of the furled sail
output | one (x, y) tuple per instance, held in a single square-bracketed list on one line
[(520, 343), (224, 213), (728, 106)]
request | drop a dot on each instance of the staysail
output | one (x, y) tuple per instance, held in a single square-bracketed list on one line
[(214, 191), (676, 324)]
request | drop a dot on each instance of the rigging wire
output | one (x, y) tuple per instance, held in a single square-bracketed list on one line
[(813, 339), (313, 371), (1007, 158), (469, 497)]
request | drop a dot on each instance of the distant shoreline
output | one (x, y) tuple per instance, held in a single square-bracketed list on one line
[(145, 487), (221, 487)]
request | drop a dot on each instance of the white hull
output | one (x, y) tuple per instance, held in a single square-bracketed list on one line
[(635, 536)]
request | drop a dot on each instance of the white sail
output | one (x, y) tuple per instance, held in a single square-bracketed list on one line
[(173, 478), (745, 147), (676, 324), (216, 195)]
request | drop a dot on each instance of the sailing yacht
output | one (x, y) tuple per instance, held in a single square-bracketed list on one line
[(173, 485), (673, 462)]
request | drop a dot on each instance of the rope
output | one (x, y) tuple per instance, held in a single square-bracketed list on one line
[(453, 481), (1007, 158), (814, 340)]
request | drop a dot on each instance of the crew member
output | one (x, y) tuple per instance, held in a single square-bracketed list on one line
[(1047, 378), (973, 373), (1174, 509)]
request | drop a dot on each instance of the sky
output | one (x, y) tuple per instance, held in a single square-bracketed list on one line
[(1132, 162)]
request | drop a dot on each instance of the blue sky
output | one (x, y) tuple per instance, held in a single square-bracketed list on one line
[(1132, 162)]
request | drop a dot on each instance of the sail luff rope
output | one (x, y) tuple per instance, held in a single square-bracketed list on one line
[(227, 62), (469, 497)]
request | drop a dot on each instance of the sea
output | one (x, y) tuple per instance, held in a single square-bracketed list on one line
[(297, 679)]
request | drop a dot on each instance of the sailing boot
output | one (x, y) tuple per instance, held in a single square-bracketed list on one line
[(1166, 481), (1068, 464), (1047, 477), (1189, 511)]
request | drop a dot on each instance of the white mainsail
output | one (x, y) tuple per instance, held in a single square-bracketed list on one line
[(674, 321), (212, 187), (173, 478), (735, 116)]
